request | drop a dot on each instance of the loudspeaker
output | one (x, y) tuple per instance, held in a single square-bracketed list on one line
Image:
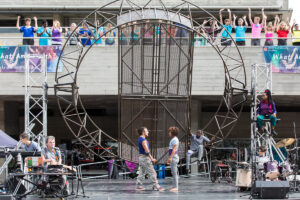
[(270, 189)]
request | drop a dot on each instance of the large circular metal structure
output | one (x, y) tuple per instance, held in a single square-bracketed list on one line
[(128, 13)]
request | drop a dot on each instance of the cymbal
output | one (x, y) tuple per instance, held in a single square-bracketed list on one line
[(285, 142), (242, 163)]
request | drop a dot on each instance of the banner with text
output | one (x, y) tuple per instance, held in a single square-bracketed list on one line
[(284, 59), (12, 58)]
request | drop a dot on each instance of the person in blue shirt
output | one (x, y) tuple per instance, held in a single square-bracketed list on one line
[(98, 33), (44, 31), (240, 30), (227, 29), (29, 145), (27, 30), (85, 35), (146, 162)]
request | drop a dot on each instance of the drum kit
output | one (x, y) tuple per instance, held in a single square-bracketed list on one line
[(268, 169)]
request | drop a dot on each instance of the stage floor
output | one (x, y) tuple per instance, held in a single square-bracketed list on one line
[(192, 188)]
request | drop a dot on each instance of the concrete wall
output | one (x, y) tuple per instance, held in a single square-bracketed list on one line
[(90, 3), (98, 74)]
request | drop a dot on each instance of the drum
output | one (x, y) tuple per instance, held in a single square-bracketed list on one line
[(272, 170), (243, 178), (286, 169)]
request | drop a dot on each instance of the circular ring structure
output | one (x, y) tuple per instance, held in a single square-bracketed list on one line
[(127, 11)]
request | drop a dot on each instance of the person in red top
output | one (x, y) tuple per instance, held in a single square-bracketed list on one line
[(282, 32)]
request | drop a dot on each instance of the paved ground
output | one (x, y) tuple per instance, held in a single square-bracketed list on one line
[(190, 189), (193, 188)]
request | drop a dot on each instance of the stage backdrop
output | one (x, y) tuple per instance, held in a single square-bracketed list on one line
[(12, 58), (284, 59)]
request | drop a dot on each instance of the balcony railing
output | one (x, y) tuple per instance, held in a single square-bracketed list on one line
[(198, 42)]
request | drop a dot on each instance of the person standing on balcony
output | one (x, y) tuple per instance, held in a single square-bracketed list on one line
[(269, 30), (56, 33), (85, 35), (98, 33), (27, 30), (227, 29), (283, 30), (296, 33), (110, 35), (211, 31), (240, 30), (256, 28), (74, 36), (44, 31)]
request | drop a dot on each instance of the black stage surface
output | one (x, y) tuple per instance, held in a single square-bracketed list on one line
[(193, 188)]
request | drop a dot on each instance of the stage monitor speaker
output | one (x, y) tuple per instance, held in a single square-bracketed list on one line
[(270, 189)]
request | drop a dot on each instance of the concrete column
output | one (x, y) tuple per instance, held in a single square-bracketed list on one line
[(12, 118), (195, 114), (2, 115)]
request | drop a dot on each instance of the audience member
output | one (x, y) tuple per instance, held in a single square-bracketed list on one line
[(227, 29), (27, 30), (85, 35), (240, 30), (282, 32), (56, 33), (269, 30), (256, 28), (110, 35), (73, 35), (296, 33), (44, 31)]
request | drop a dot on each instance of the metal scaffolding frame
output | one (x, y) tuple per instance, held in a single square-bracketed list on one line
[(35, 102), (261, 80), (66, 86), (36, 88)]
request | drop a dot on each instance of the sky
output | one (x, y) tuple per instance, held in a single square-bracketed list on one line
[(295, 5)]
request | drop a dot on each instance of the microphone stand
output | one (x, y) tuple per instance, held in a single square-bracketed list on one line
[(72, 165)]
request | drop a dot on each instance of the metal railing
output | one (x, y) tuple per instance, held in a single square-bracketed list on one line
[(198, 41)]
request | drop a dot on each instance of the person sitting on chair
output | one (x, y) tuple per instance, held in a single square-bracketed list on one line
[(196, 147), (29, 145), (51, 155), (266, 110), (262, 158)]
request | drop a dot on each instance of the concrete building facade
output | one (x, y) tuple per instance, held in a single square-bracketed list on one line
[(98, 75)]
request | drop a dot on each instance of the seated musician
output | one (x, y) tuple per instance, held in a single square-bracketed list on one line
[(51, 155), (266, 110), (262, 158), (196, 147), (29, 145)]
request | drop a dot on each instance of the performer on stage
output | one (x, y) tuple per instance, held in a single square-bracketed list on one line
[(29, 145), (173, 156), (52, 155), (266, 110), (196, 147), (262, 158), (145, 162)]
